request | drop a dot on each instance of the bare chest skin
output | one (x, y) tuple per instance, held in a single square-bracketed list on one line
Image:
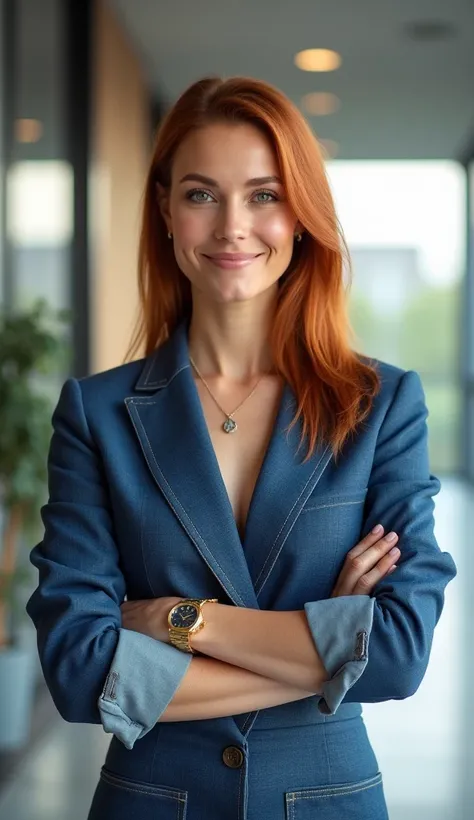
[(240, 454)]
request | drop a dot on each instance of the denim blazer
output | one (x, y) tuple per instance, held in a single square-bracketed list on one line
[(138, 508)]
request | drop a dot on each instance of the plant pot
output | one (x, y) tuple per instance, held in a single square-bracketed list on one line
[(16, 697)]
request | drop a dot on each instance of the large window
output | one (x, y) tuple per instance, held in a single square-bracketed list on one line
[(39, 179), (405, 226), (3, 128)]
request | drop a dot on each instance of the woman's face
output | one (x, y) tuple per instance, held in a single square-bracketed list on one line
[(233, 229)]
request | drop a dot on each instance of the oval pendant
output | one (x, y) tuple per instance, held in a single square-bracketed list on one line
[(229, 426)]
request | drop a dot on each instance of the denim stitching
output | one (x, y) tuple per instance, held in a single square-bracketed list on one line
[(237, 600), (239, 799), (289, 514), (246, 721), (327, 506), (336, 791), (284, 524), (153, 791), (326, 748), (252, 718), (162, 381), (146, 372), (134, 790)]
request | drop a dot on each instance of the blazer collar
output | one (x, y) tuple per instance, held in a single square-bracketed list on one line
[(170, 424), (172, 431), (165, 363)]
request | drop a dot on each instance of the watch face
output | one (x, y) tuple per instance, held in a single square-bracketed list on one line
[(184, 616)]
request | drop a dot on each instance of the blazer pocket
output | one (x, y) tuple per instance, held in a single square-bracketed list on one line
[(361, 801), (118, 798), (329, 502)]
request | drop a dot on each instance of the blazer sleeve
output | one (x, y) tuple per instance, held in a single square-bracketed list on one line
[(377, 647), (95, 670)]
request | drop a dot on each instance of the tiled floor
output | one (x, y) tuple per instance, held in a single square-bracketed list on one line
[(424, 745)]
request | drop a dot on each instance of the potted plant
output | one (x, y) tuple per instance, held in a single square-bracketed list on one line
[(32, 348)]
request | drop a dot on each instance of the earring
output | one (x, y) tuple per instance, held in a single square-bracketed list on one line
[(170, 235), (298, 237)]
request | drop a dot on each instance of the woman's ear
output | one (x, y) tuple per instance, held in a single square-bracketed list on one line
[(162, 197)]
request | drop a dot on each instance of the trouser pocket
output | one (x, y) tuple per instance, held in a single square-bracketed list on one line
[(363, 800), (118, 798)]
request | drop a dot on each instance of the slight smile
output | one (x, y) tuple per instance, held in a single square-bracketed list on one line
[(232, 260)]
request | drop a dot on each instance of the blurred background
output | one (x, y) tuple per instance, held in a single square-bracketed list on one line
[(389, 90)]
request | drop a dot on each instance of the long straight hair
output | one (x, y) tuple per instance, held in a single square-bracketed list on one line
[(311, 335)]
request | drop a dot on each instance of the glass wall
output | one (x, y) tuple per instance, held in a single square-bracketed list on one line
[(37, 205), (405, 226), (468, 335), (39, 177), (3, 123)]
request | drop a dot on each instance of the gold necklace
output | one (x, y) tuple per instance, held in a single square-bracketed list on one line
[(229, 426)]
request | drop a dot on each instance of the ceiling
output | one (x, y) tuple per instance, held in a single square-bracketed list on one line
[(401, 98)]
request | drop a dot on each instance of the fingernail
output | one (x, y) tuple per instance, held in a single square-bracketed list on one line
[(391, 536), (394, 551), (392, 569), (377, 530)]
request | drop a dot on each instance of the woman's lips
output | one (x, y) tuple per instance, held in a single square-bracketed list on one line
[(232, 260)]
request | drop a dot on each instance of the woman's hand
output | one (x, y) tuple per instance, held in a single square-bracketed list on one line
[(368, 562), (150, 617)]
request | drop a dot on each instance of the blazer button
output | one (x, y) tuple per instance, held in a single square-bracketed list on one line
[(233, 757)]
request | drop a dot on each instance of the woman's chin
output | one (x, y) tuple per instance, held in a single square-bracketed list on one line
[(241, 292), (228, 292)]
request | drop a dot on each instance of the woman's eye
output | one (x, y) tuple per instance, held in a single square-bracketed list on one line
[(265, 196), (261, 197), (199, 196)]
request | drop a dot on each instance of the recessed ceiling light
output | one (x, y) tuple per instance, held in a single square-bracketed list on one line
[(318, 59), (329, 148), (320, 103), (28, 130)]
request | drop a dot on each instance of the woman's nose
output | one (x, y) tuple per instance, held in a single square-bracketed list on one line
[(233, 222)]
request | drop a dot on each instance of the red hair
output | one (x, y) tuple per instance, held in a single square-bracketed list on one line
[(310, 340)]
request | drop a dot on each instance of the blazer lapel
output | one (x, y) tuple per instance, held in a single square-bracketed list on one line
[(283, 487), (172, 431)]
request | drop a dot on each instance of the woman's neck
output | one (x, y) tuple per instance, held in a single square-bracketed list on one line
[(232, 340)]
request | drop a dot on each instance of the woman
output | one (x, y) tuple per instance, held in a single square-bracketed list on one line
[(244, 487)]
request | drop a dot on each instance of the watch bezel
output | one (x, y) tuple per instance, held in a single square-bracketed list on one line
[(177, 607)]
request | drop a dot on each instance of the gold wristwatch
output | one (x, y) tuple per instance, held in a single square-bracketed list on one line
[(185, 619)]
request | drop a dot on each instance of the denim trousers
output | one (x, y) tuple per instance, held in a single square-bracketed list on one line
[(211, 770)]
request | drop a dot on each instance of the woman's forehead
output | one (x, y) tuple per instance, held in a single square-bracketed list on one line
[(226, 151)]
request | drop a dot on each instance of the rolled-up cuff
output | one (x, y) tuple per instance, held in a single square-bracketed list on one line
[(341, 630), (143, 678)]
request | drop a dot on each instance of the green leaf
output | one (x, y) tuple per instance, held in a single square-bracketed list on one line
[(34, 346)]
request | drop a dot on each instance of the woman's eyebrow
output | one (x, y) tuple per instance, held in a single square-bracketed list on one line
[(250, 182)]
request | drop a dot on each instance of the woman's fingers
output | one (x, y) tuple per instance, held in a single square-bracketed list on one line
[(361, 562), (384, 567), (366, 569), (372, 538), (367, 563)]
